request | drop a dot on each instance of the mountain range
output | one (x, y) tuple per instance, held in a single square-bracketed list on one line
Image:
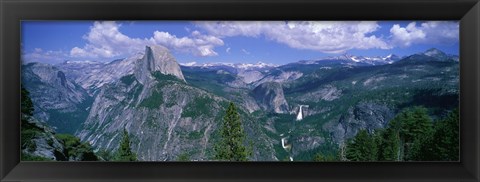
[(172, 109)]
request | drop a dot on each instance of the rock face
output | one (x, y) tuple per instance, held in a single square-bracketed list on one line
[(93, 75), (169, 113), (43, 143), (160, 124), (305, 143), (58, 100), (270, 97), (157, 58), (368, 116), (164, 116), (281, 77), (326, 93)]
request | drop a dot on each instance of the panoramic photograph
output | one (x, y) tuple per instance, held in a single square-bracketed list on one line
[(238, 91)]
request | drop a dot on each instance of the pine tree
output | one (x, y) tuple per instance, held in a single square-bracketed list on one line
[(124, 152), (422, 149), (390, 147), (419, 127), (414, 126), (446, 138), (26, 102), (362, 147), (378, 139), (440, 144), (231, 145)]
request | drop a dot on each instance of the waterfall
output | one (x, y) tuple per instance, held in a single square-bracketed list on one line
[(283, 143), (300, 114)]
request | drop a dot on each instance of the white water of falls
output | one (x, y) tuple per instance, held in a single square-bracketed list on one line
[(283, 143), (300, 114)]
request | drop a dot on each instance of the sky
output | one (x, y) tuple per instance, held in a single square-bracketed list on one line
[(274, 42)]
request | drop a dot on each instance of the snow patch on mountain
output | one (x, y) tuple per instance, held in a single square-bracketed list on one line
[(234, 65)]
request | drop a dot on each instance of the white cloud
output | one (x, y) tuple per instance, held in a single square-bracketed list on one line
[(198, 44), (233, 28), (189, 63), (38, 55), (337, 36), (326, 36), (432, 32), (104, 40), (405, 36)]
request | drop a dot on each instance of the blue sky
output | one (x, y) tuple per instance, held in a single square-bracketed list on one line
[(277, 42)]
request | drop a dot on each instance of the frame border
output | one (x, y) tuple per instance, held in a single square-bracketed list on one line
[(13, 11)]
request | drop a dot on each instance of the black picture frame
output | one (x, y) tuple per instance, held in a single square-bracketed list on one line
[(13, 11)]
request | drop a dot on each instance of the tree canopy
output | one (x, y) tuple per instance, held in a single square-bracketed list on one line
[(124, 152), (231, 146), (410, 136)]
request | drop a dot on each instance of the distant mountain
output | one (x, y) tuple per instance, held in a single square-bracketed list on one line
[(258, 65), (93, 75), (353, 60), (58, 100), (164, 115), (171, 109), (430, 55), (156, 59), (348, 99), (245, 73)]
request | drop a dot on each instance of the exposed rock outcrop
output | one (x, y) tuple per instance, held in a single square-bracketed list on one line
[(93, 75), (39, 140), (55, 97), (157, 58), (164, 116), (366, 115), (270, 97), (305, 143)]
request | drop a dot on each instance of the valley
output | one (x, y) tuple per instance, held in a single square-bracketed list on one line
[(289, 112)]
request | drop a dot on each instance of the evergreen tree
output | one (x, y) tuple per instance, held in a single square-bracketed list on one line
[(28, 131), (124, 152), (414, 126), (422, 149), (446, 138), (26, 102), (76, 150), (378, 139), (419, 127), (421, 124), (231, 145), (362, 147), (389, 149)]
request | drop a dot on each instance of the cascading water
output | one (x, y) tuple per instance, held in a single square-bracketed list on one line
[(300, 114), (285, 140)]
